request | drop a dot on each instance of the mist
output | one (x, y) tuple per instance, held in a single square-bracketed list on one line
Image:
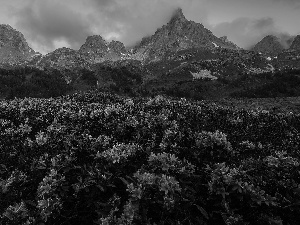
[(50, 24)]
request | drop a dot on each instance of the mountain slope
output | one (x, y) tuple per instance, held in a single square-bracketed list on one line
[(96, 50), (61, 58), (13, 46), (269, 44), (296, 43), (178, 34)]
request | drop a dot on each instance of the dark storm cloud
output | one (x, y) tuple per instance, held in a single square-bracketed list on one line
[(46, 22), (135, 19)]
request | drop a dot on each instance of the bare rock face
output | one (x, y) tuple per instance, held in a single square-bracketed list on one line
[(61, 58), (117, 47), (296, 43), (269, 44), (225, 39), (96, 50), (94, 45), (178, 34), (13, 47)]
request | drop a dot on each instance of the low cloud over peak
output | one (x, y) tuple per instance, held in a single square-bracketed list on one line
[(49, 24), (246, 32)]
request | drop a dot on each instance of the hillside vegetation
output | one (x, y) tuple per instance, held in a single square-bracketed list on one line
[(98, 158), (23, 82)]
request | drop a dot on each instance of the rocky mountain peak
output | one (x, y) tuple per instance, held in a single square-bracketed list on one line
[(5, 27), (296, 43), (272, 37), (178, 17), (117, 46), (178, 34), (96, 50), (64, 50), (13, 46), (269, 44), (95, 39), (94, 44), (11, 37), (224, 38)]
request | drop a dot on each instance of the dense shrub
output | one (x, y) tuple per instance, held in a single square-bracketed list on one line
[(279, 84), (98, 158), (31, 82)]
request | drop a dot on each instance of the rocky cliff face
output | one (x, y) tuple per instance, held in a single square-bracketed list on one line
[(13, 46), (178, 34), (94, 45), (225, 39), (61, 58), (96, 50), (269, 44), (117, 47), (296, 43)]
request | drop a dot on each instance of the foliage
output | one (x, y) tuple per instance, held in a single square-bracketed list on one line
[(98, 158), (280, 84), (31, 82)]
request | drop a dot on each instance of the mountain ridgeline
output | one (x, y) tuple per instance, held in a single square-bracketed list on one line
[(178, 34), (181, 58), (13, 46)]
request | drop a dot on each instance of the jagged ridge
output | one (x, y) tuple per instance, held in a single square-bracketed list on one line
[(269, 44), (13, 46), (178, 34), (296, 43)]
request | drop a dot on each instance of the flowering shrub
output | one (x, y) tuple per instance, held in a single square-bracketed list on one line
[(119, 152), (97, 158)]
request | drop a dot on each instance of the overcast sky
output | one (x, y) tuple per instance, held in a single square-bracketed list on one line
[(50, 24)]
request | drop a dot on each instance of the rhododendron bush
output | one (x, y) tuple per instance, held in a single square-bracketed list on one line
[(98, 158)]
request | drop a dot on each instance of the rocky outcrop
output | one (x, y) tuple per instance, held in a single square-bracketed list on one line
[(95, 45), (13, 47), (178, 34), (96, 50), (296, 43), (61, 58), (225, 39), (269, 44), (117, 47)]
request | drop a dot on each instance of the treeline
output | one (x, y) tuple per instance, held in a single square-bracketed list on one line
[(121, 79), (280, 84), (31, 82), (129, 80)]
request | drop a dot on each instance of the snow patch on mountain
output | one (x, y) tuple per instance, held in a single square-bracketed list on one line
[(203, 74), (216, 46)]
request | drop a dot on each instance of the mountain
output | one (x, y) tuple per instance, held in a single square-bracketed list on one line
[(225, 39), (96, 49), (182, 58), (61, 58), (269, 44), (296, 43), (178, 34), (13, 46)]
